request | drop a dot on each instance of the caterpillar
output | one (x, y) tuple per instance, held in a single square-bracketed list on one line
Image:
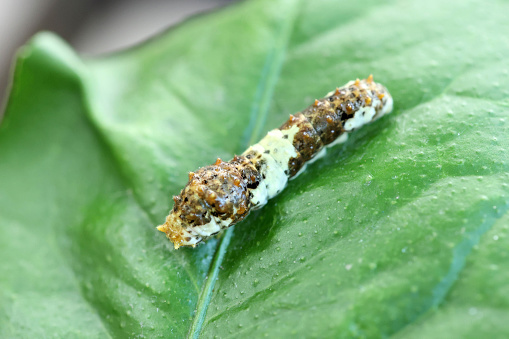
[(219, 196)]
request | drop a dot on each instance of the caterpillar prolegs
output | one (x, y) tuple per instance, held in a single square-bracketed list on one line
[(219, 196)]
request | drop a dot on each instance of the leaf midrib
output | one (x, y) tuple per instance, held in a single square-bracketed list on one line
[(259, 111)]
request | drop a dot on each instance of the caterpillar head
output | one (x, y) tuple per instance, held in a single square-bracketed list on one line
[(214, 198)]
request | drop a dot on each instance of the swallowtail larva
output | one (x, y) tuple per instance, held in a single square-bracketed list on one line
[(219, 196)]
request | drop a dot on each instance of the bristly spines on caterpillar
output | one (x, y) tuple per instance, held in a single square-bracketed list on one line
[(220, 195)]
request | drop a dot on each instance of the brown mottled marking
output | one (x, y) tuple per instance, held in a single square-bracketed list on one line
[(307, 142)]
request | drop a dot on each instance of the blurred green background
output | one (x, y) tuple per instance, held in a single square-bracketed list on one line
[(92, 27)]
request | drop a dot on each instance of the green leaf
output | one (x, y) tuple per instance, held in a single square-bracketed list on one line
[(402, 231)]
